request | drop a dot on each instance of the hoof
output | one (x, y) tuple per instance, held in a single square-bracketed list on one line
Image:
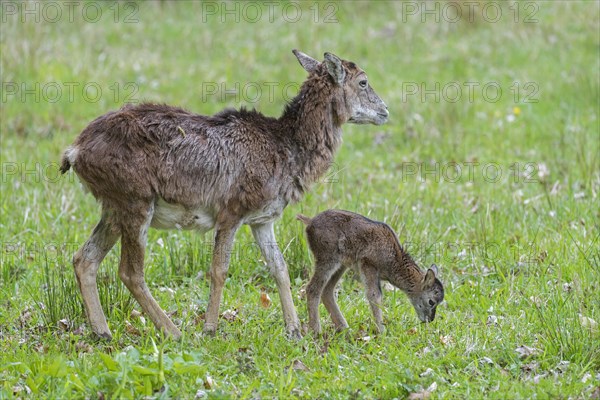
[(209, 331), (380, 330), (104, 336), (295, 334), (315, 329), (173, 335)]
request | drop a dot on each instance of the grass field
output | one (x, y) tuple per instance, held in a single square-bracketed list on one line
[(489, 167)]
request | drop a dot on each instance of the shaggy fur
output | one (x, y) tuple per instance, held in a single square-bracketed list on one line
[(165, 167)]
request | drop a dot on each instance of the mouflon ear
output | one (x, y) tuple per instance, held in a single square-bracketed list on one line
[(434, 268), (307, 62), (335, 68), (429, 279)]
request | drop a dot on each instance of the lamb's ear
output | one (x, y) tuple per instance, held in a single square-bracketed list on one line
[(335, 68), (429, 279), (434, 268), (307, 62)]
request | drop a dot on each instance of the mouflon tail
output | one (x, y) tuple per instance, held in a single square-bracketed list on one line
[(68, 159), (65, 165)]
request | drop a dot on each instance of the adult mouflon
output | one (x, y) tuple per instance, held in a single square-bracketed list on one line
[(153, 165), (342, 239)]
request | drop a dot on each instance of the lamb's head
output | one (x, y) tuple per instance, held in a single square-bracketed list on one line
[(353, 98), (426, 298)]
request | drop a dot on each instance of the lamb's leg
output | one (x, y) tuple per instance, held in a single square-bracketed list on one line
[(372, 283), (224, 235), (265, 237), (324, 270), (331, 305), (134, 232), (86, 262)]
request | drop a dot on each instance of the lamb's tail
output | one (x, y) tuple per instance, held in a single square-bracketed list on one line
[(305, 220)]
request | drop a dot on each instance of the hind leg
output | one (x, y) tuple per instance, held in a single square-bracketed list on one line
[(134, 233), (324, 270), (86, 262), (331, 305)]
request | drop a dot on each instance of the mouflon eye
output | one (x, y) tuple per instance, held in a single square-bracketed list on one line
[(363, 83), (431, 302)]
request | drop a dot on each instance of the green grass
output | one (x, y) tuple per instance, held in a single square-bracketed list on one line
[(518, 252)]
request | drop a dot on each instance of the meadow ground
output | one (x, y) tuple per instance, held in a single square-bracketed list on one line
[(489, 167)]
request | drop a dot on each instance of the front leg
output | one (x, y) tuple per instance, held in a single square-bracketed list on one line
[(265, 238), (370, 277), (224, 235)]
